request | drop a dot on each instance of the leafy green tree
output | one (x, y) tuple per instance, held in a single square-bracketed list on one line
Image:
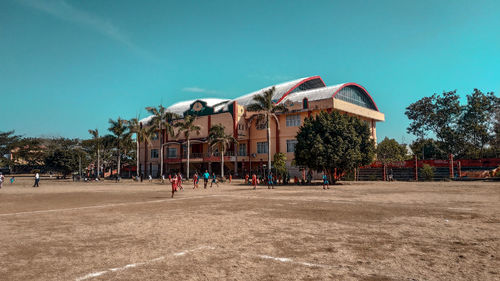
[(427, 149), (121, 138), (332, 141), (438, 114), (217, 138), (280, 164), (186, 127), (477, 122), (30, 151), (389, 150), (267, 109), (7, 142)]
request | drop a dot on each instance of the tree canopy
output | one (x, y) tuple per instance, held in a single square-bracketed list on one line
[(462, 130), (389, 150), (330, 141)]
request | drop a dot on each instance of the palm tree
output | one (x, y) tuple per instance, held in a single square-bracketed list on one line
[(186, 127), (121, 137), (142, 134), (161, 119), (266, 109), (96, 138), (218, 138)]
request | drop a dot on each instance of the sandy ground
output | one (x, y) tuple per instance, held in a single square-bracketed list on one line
[(354, 231)]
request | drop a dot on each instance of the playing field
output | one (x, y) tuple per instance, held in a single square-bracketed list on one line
[(354, 231)]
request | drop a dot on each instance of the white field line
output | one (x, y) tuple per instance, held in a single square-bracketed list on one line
[(108, 205), (288, 260), (99, 273)]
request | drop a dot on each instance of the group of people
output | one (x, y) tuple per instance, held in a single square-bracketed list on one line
[(176, 181)]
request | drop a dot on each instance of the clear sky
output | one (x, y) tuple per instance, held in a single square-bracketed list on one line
[(68, 66)]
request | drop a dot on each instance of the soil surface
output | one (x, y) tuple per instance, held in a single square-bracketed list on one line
[(354, 231)]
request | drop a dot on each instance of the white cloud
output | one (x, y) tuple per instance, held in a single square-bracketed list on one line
[(64, 11), (198, 90)]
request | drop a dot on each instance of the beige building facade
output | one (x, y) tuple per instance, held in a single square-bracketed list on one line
[(303, 97)]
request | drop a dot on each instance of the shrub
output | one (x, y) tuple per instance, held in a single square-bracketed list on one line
[(427, 172)]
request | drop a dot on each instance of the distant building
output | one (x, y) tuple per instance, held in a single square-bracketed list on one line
[(303, 97)]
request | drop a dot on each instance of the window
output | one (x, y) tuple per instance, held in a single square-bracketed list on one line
[(261, 124), (242, 149), (290, 145), (305, 104), (293, 120), (356, 96), (154, 153), (241, 127), (155, 136), (262, 147), (172, 152)]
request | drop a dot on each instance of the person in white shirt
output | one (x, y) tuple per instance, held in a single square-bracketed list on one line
[(37, 180)]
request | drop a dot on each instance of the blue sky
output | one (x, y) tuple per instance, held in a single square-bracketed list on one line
[(68, 66)]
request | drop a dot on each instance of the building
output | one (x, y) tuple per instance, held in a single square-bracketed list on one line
[(303, 97)]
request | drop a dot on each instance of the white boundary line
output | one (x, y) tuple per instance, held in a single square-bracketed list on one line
[(108, 205), (99, 273), (292, 261)]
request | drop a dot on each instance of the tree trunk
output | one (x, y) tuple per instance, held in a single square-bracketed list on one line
[(187, 168), (119, 161), (222, 163), (268, 145), (98, 162), (137, 158), (161, 151)]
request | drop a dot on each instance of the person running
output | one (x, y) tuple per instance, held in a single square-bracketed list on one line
[(254, 181), (195, 180), (173, 181), (1, 179), (270, 180), (206, 175), (214, 180), (325, 181), (37, 180), (150, 178)]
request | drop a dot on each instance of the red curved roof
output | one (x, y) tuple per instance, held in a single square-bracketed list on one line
[(298, 84)]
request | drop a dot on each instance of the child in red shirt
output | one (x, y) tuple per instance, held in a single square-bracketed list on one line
[(174, 185), (254, 181)]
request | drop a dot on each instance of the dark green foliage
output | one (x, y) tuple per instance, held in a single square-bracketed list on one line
[(427, 172), (333, 140), (462, 130), (280, 164), (389, 150), (7, 142), (427, 149)]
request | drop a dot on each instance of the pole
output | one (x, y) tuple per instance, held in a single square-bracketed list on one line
[(416, 168), (451, 166), (80, 165)]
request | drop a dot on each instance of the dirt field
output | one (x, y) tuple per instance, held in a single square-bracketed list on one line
[(354, 231)]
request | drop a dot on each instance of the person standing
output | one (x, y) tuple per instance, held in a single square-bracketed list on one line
[(179, 181), (254, 181), (173, 181), (230, 178), (195, 180), (246, 178), (1, 179), (270, 180), (12, 180), (37, 180), (214, 180), (206, 175), (325, 181)]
